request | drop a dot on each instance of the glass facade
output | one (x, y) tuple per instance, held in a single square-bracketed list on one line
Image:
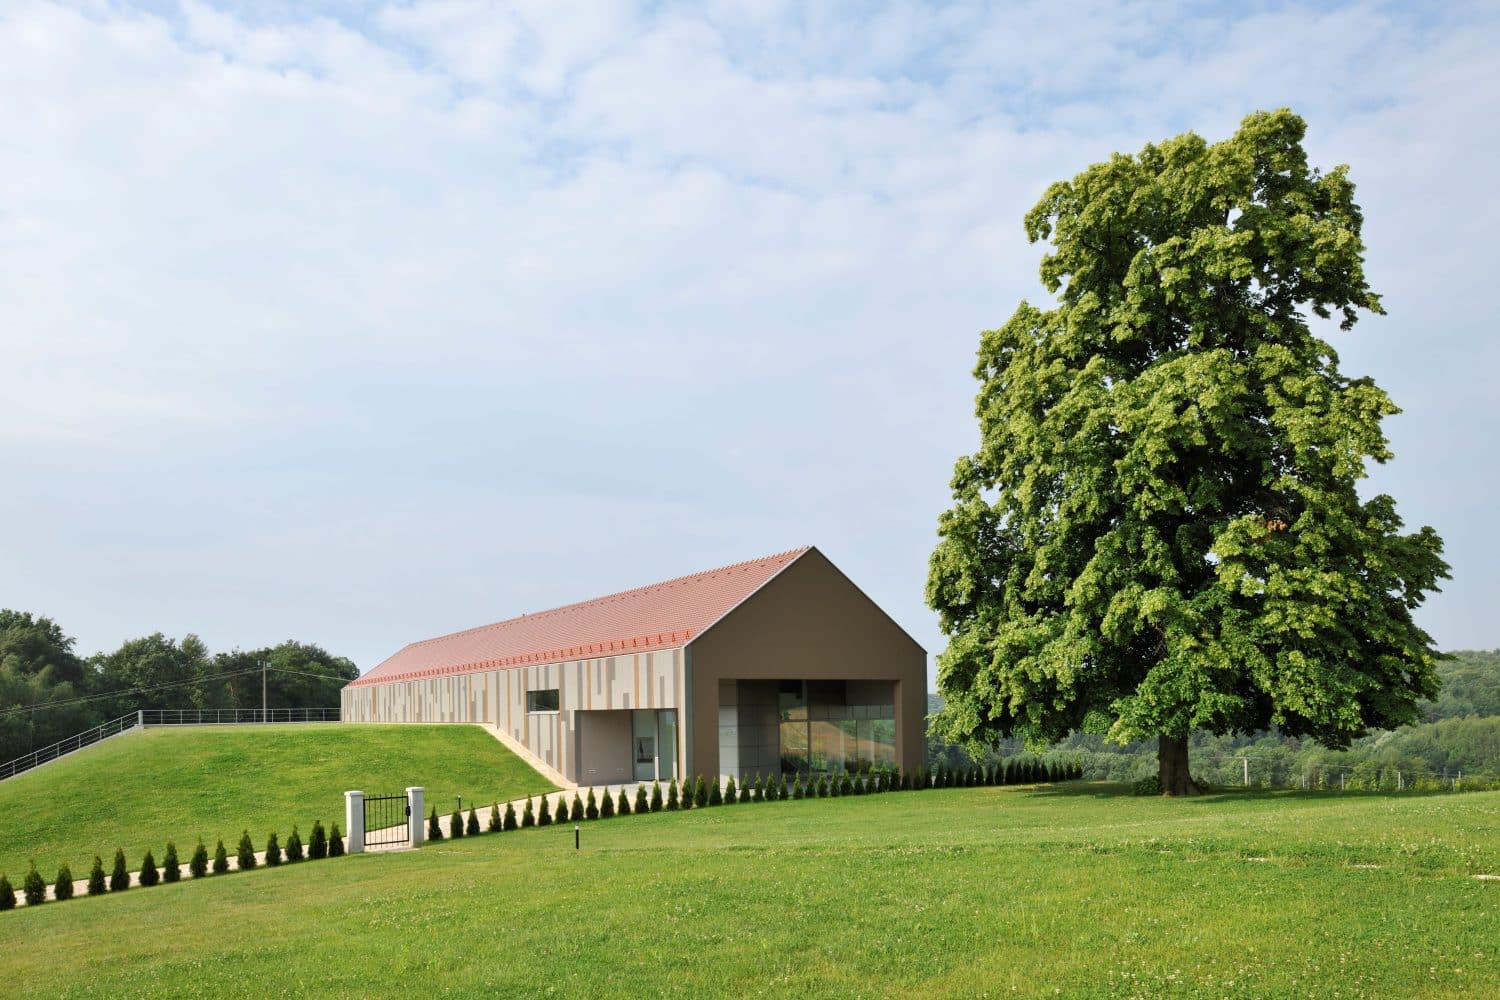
[(808, 727)]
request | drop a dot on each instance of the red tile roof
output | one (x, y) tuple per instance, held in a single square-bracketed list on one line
[(661, 616)]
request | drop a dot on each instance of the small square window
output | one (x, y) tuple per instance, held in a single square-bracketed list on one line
[(542, 701)]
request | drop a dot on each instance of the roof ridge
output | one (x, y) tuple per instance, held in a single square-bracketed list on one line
[(615, 596)]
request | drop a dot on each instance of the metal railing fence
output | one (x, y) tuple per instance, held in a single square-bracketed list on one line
[(233, 716), (147, 717), (87, 738)]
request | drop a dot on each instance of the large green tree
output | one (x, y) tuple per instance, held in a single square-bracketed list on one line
[(1161, 530), (38, 668)]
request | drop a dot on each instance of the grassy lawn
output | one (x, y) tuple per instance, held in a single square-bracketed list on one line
[(1078, 891), (142, 789)]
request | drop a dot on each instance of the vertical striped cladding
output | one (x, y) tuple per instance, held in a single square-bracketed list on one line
[(498, 698)]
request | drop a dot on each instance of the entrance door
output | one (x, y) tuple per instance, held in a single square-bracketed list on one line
[(653, 743), (666, 747), (643, 743)]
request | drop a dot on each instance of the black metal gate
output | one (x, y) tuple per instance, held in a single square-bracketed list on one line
[(385, 819)]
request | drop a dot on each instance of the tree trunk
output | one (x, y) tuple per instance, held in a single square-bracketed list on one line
[(1172, 766)]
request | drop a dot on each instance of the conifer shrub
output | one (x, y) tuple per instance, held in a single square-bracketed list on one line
[(685, 794), (745, 790), (672, 796), (731, 793), (63, 887), (591, 806), (656, 803), (171, 868), (335, 842), (509, 822), (846, 785), (7, 893), (700, 792), (757, 790), (544, 813), (245, 854), (576, 813), (820, 787), (294, 852), (97, 885), (434, 826), (861, 783), (527, 819), (197, 864), (781, 792), (149, 875), (34, 889), (642, 805), (797, 791), (771, 790), (317, 842), (119, 876), (715, 793), (273, 851), (456, 824), (471, 826), (221, 858), (606, 805), (493, 826), (622, 803)]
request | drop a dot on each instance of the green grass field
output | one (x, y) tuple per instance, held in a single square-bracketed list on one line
[(1077, 891), (142, 789)]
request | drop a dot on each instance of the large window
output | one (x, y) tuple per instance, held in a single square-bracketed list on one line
[(833, 726), (542, 701)]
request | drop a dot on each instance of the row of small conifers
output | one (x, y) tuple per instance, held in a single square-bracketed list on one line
[(320, 844), (697, 794), (700, 794)]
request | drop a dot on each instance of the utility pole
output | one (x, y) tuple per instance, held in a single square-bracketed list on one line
[(263, 716), (1246, 762)]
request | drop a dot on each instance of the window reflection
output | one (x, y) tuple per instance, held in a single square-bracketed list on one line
[(823, 731)]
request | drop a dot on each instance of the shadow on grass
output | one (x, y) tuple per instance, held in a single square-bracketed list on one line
[(1121, 790)]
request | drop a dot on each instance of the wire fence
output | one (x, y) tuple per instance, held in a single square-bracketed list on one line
[(145, 718), (1258, 769)]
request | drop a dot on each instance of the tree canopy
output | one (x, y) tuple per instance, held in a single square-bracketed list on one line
[(1161, 530), (48, 693)]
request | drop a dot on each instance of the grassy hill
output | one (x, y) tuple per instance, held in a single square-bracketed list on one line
[(142, 789), (962, 893)]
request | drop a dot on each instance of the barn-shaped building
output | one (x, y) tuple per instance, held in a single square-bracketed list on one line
[(777, 664)]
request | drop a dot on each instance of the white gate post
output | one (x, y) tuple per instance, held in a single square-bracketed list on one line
[(354, 822), (414, 818)]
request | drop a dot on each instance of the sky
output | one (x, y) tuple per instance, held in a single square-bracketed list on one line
[(358, 323)]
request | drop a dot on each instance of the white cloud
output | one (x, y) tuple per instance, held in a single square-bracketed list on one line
[(365, 322)]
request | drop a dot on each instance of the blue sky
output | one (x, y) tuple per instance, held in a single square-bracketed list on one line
[(362, 324)]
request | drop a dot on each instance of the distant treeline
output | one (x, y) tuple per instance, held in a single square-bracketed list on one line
[(1459, 735), (48, 692)]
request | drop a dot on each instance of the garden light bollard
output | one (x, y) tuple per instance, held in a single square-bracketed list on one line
[(415, 830), (354, 822), (575, 836)]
